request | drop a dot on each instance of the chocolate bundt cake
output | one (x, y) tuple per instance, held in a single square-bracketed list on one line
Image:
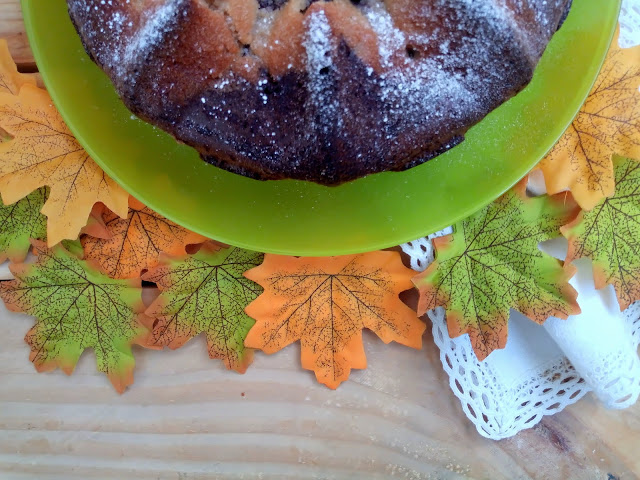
[(326, 91)]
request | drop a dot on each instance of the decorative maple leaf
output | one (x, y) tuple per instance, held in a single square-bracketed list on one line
[(77, 307), (491, 263), (610, 235), (205, 292), (607, 124), (19, 223), (326, 302), (95, 223), (135, 242), (10, 79), (74, 247), (42, 152)]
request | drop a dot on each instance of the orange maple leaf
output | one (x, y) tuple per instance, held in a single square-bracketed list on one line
[(95, 223), (10, 79), (135, 242), (607, 124), (325, 303), (43, 152)]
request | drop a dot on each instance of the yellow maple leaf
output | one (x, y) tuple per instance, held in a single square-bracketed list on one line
[(43, 152), (10, 79), (607, 124)]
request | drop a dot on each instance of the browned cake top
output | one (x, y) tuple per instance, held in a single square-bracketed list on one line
[(319, 90)]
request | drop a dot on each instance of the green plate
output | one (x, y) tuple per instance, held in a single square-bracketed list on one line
[(300, 218)]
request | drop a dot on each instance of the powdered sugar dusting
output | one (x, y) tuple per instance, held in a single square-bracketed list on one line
[(500, 16), (155, 25), (424, 89), (441, 66), (318, 42), (123, 32), (391, 40), (318, 46)]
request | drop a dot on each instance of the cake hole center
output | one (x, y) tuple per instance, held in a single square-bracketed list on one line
[(271, 4), (412, 52)]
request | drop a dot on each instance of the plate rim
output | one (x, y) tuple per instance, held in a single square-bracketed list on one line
[(28, 8)]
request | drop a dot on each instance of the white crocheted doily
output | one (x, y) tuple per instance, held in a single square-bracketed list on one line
[(543, 369)]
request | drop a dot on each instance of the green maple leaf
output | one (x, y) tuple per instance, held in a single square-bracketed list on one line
[(491, 263), (20, 222), (77, 307), (206, 292), (610, 235), (74, 247)]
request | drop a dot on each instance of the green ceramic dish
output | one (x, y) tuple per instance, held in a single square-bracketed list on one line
[(300, 218)]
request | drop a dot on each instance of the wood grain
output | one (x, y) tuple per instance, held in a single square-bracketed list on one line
[(12, 28), (186, 417)]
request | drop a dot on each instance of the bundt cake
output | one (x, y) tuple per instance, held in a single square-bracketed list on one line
[(326, 91)]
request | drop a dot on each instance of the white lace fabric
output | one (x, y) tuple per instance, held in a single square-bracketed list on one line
[(544, 369)]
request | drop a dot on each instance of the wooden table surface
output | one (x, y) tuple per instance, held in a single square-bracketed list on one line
[(188, 418)]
